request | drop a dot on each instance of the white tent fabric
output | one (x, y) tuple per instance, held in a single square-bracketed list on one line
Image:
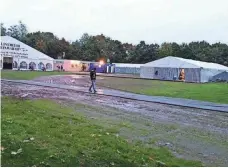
[(169, 67), (205, 65), (123, 68), (176, 62), (21, 52), (128, 65), (207, 74), (171, 62)]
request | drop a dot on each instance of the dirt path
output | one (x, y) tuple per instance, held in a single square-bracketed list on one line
[(189, 133)]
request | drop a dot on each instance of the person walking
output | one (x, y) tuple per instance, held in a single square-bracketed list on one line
[(93, 76), (58, 68)]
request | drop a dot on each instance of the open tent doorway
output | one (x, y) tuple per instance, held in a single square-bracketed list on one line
[(7, 62), (182, 75)]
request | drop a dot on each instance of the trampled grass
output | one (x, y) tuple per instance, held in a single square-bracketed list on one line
[(44, 133)]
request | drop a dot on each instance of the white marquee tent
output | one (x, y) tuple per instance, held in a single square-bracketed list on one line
[(15, 54), (169, 68)]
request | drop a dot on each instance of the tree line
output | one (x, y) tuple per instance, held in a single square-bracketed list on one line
[(94, 48)]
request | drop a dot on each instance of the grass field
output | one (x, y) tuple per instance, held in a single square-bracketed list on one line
[(28, 75), (44, 133), (213, 92)]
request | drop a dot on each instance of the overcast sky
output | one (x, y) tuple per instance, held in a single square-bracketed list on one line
[(124, 20)]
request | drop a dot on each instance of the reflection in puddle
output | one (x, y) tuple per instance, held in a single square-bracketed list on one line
[(100, 101), (76, 76), (100, 91)]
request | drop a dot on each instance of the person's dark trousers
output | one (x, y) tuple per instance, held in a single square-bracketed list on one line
[(93, 85)]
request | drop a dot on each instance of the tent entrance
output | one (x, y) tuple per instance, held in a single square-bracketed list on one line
[(182, 75), (7, 62)]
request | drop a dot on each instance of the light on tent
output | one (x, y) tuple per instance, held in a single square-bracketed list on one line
[(101, 62), (75, 62)]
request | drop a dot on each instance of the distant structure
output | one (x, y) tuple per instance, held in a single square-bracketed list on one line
[(123, 68), (175, 68), (17, 55), (71, 65)]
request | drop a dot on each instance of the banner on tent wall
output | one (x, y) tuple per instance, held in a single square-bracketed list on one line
[(13, 50)]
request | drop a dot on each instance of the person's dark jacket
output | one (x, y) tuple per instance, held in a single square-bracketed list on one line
[(93, 75)]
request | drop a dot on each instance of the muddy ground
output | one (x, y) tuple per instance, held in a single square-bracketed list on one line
[(75, 80), (189, 133)]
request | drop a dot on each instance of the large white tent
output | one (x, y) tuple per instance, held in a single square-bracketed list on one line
[(17, 55), (169, 68)]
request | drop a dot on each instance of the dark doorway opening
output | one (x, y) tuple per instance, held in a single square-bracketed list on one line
[(7, 63)]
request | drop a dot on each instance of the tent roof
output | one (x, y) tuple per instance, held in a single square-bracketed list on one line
[(127, 65), (31, 51), (176, 62)]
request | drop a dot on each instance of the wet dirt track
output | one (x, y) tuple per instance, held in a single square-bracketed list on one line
[(189, 133), (81, 83)]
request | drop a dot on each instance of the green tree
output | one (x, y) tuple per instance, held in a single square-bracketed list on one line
[(186, 51), (176, 50), (17, 31), (102, 47), (45, 42), (166, 49), (3, 30)]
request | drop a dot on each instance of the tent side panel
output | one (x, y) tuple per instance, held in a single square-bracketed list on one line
[(137, 71), (222, 76), (158, 73), (208, 74), (165, 73), (192, 75), (127, 70), (49, 64), (147, 72), (17, 63)]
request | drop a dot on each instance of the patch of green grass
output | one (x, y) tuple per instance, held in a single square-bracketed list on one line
[(28, 75), (145, 132), (148, 124), (212, 92), (153, 141), (63, 137), (125, 124)]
